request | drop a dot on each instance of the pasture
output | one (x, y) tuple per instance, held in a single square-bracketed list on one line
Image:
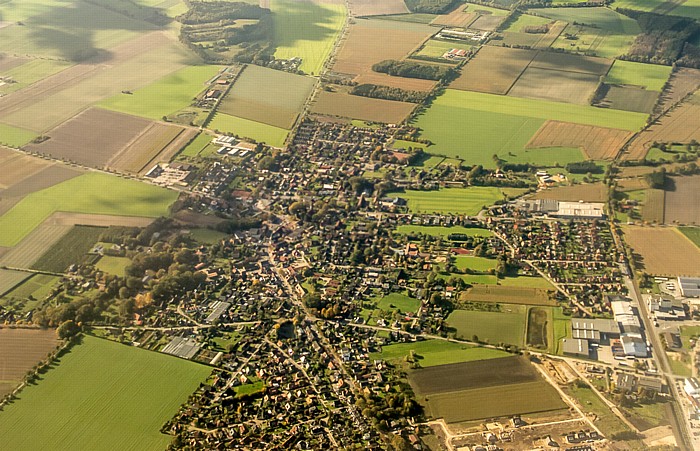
[(682, 200), (478, 264), (663, 251), (70, 249), (430, 353), (269, 96), (113, 265), (442, 231), (197, 145), (468, 201), (506, 326), (307, 30), (504, 66), (648, 76), (435, 48), (20, 350), (29, 72), (257, 131), (400, 302), (33, 291), (590, 192), (73, 405), (91, 193), (15, 137), (362, 108), (508, 295), (526, 282), (693, 234), (597, 143), (165, 96)]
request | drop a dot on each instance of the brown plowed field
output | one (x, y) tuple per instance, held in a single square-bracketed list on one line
[(493, 70), (680, 125), (20, 350), (572, 63), (663, 251), (8, 62), (682, 204), (147, 148), (590, 192), (361, 8), (682, 82), (17, 166), (555, 85), (457, 18), (364, 108), (92, 138), (598, 143), (508, 295)]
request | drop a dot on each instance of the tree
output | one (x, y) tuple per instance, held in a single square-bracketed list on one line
[(67, 329)]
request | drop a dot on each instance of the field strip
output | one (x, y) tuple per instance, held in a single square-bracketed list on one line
[(515, 80), (123, 150), (71, 219), (34, 245), (172, 149)]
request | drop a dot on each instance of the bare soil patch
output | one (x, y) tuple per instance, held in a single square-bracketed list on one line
[(572, 63), (156, 144), (361, 8), (555, 85), (682, 201), (493, 70), (17, 166), (629, 98), (663, 251), (590, 192), (20, 350), (598, 143), (364, 108), (682, 82)]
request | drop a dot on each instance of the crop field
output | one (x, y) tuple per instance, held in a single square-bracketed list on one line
[(363, 108), (8, 63), (682, 200), (399, 301), (273, 136), (663, 251), (70, 249), (679, 125), (91, 193), (35, 245), (648, 76), (269, 96), (442, 231), (555, 85), (590, 192), (508, 295), (653, 208), (430, 353), (113, 265), (307, 30), (468, 201), (506, 326), (18, 166), (361, 8), (628, 98), (572, 63), (682, 82), (20, 350), (693, 234), (10, 279), (158, 143), (487, 18), (74, 405), (503, 66), (92, 138), (165, 96), (606, 33), (598, 143)]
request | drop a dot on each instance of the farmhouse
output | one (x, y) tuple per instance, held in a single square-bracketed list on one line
[(690, 286)]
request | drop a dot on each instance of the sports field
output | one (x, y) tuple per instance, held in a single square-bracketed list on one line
[(165, 96), (436, 352), (468, 201), (443, 231), (649, 76), (273, 136), (92, 193), (506, 326), (307, 30), (74, 405)]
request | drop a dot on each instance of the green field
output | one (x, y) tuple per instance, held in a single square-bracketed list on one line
[(207, 236), (113, 265), (607, 422), (31, 72), (640, 5), (443, 231), (165, 96), (689, 8), (70, 249), (693, 233), (526, 282), (649, 76), (480, 264), (398, 301), (307, 30), (75, 404), (198, 144), (437, 352), (507, 326), (92, 193), (526, 20), (471, 279), (435, 48), (245, 128), (467, 201), (36, 287), (15, 137)]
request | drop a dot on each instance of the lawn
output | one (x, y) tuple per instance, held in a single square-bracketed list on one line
[(526, 282), (398, 301), (197, 145), (101, 396), (437, 352), (245, 128), (443, 231), (165, 96), (207, 236), (307, 30), (91, 193), (507, 326), (679, 368), (649, 76), (113, 265), (15, 137), (469, 201), (693, 233), (480, 264), (70, 249)]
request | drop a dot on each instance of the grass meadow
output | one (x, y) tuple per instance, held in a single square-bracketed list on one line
[(467, 201), (399, 301), (15, 137), (258, 131), (506, 326), (437, 352), (649, 76), (442, 231)]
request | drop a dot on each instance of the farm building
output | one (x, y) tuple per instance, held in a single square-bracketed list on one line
[(690, 286), (560, 209), (575, 346)]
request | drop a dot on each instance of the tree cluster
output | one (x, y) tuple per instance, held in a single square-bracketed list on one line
[(388, 93), (409, 69)]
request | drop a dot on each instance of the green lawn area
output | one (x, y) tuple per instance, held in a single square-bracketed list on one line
[(437, 352), (38, 286), (693, 233), (507, 326), (258, 131), (15, 137), (687, 332), (197, 145), (679, 368), (443, 231), (249, 389), (467, 201), (113, 265), (526, 282), (165, 96), (93, 193), (435, 48), (481, 264), (101, 396), (307, 30), (398, 301), (207, 236), (649, 76), (526, 20)]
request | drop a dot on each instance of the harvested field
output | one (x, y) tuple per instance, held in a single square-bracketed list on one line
[(538, 328), (10, 279), (269, 96), (590, 192), (572, 63), (632, 184), (458, 18), (17, 166), (508, 295), (682, 201), (628, 98), (663, 251), (597, 142), (70, 249), (363, 108), (504, 66), (361, 8), (679, 125), (552, 35), (411, 84), (34, 245), (555, 85), (92, 138), (682, 82), (158, 143), (20, 350), (653, 208), (487, 22), (8, 62)]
